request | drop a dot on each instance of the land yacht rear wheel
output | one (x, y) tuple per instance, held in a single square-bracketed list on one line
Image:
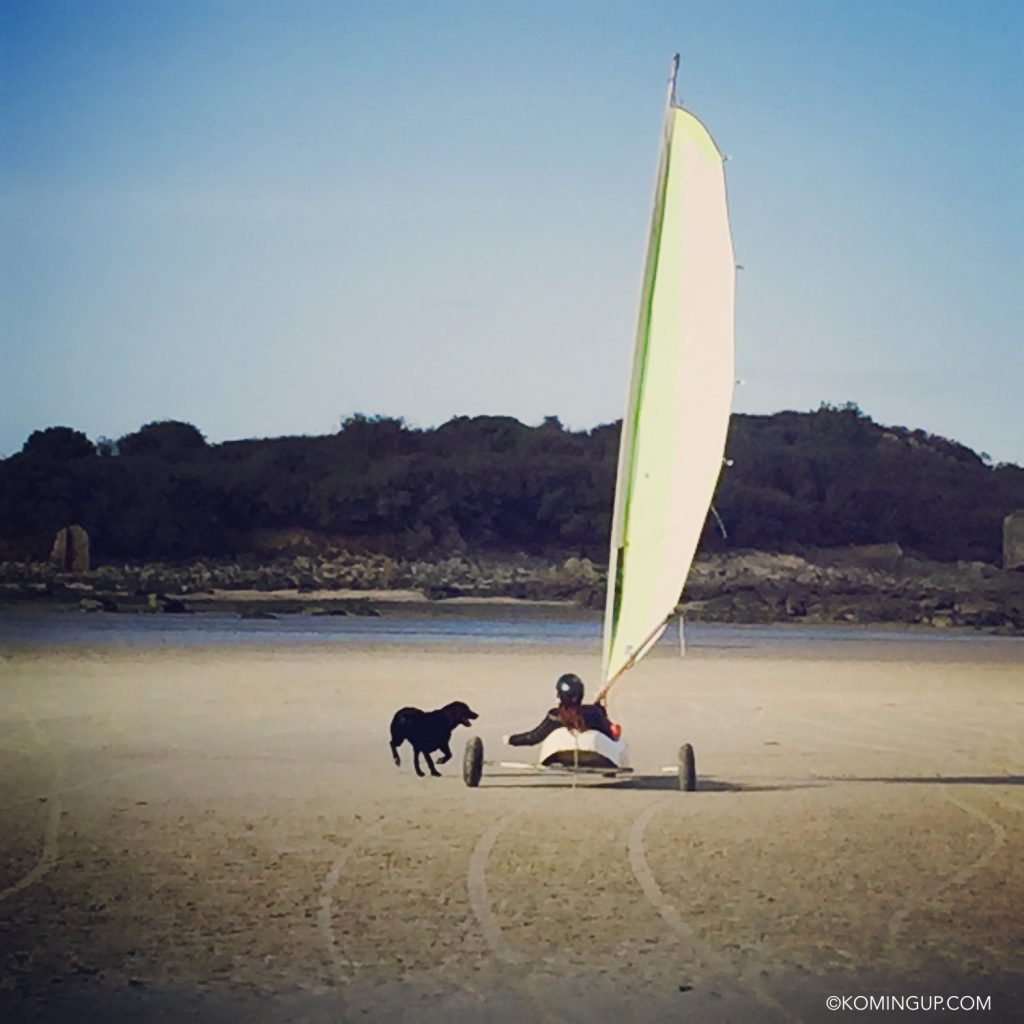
[(687, 769)]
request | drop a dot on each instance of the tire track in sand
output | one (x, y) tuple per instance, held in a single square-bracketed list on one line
[(899, 919), (341, 964), (480, 903), (853, 730), (479, 897), (911, 740), (717, 964), (50, 852)]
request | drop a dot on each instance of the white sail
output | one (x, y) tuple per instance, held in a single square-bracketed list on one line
[(677, 414)]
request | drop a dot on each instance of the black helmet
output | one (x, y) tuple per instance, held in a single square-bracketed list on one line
[(569, 689)]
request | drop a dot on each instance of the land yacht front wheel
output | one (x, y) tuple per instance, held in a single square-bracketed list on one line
[(473, 762)]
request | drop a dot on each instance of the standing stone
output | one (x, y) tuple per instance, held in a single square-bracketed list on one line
[(59, 552), (70, 551), (1013, 540)]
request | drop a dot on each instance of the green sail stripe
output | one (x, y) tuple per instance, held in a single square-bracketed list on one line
[(641, 358)]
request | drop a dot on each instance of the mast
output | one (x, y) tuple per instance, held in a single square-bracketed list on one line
[(673, 74), (680, 392)]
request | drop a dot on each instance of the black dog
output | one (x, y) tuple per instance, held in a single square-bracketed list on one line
[(427, 731)]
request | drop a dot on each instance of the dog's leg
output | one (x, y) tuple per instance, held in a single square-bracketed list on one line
[(398, 737), (447, 751), (416, 762), (430, 764)]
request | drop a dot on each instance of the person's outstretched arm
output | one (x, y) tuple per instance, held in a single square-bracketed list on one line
[(536, 735)]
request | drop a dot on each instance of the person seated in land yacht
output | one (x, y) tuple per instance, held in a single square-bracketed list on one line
[(571, 713)]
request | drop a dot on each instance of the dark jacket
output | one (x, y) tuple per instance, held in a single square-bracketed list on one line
[(594, 715)]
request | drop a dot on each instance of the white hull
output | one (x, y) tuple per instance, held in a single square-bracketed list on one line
[(589, 749)]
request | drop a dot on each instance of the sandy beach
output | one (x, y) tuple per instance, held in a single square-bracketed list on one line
[(218, 834)]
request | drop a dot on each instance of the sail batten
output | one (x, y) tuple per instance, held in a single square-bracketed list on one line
[(673, 431)]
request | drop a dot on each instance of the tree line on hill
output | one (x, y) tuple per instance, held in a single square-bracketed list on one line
[(828, 478)]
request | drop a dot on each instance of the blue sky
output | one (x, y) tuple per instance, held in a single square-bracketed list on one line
[(263, 217)]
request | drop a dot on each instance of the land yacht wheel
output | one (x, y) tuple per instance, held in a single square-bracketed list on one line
[(473, 762), (687, 769)]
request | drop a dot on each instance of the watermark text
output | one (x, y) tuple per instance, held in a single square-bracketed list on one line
[(911, 1003)]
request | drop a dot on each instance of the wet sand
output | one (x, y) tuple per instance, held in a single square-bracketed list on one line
[(220, 835)]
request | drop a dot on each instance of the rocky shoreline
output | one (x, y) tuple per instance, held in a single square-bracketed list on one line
[(878, 585), (868, 585)]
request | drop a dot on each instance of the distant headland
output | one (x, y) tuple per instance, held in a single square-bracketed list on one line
[(806, 502)]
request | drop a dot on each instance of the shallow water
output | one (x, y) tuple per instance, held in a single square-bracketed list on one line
[(513, 628)]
